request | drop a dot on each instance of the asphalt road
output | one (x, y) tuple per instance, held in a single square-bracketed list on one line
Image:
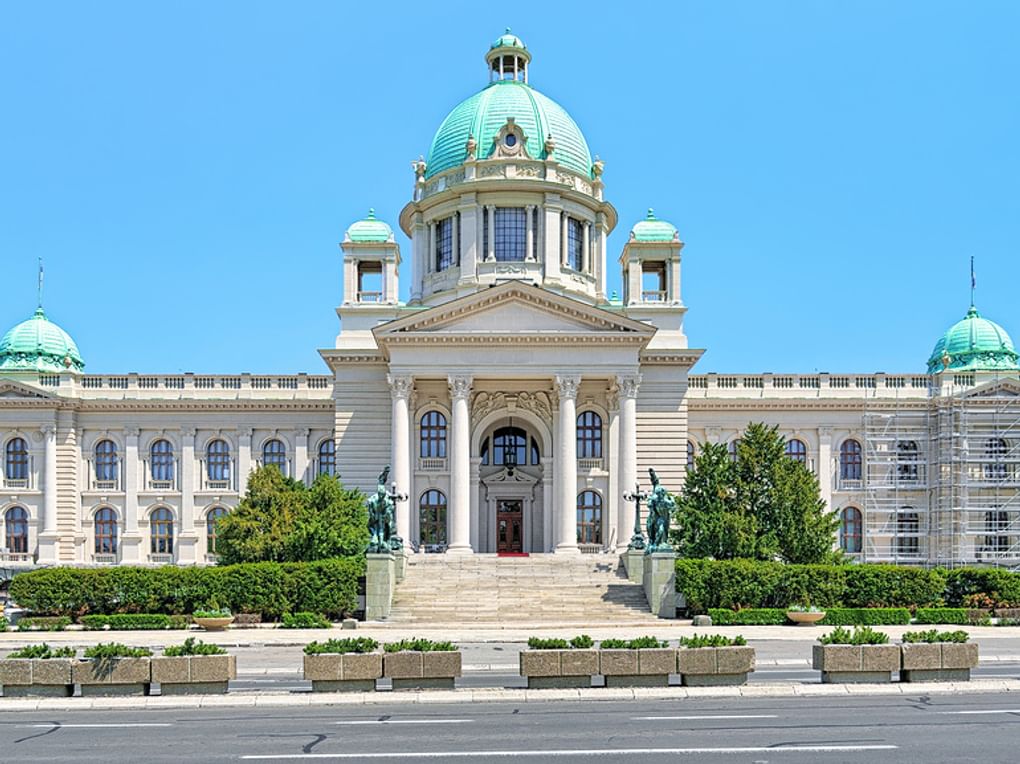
[(905, 730)]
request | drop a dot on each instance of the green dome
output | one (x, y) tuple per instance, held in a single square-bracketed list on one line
[(508, 40), (482, 115), (652, 229), (973, 344), (38, 344), (369, 230)]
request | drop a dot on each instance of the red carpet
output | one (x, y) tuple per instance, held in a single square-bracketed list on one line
[(511, 554)]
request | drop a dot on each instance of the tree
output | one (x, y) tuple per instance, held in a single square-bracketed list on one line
[(762, 505), (280, 520)]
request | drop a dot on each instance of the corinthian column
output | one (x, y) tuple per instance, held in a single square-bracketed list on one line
[(460, 466), (400, 392), (628, 387), (566, 464)]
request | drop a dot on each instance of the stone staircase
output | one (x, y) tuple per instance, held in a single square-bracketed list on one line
[(587, 589)]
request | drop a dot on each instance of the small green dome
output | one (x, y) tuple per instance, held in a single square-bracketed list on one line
[(652, 229), (508, 40), (369, 229), (38, 344), (973, 344)]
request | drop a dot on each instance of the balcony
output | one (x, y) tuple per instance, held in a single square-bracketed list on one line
[(17, 484), (16, 557), (161, 559), (589, 465), (432, 464), (653, 295), (106, 558)]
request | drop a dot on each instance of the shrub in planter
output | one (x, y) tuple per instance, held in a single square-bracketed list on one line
[(421, 663), (113, 669), (804, 615), (863, 655), (714, 660), (952, 615), (934, 655), (641, 662), (194, 668), (343, 665), (213, 619), (37, 670), (304, 621), (866, 616), (559, 662)]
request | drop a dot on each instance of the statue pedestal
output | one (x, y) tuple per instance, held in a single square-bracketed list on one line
[(380, 580), (660, 583), (634, 564), (400, 564)]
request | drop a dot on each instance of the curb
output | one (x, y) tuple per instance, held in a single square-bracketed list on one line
[(501, 695)]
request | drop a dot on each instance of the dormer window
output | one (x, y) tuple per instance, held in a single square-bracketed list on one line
[(510, 140)]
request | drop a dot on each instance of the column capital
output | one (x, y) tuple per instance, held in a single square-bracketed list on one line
[(48, 430), (825, 433), (460, 385), (189, 432), (132, 432), (401, 385), (567, 385), (628, 384)]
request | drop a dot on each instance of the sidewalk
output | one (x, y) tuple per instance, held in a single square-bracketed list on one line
[(498, 695)]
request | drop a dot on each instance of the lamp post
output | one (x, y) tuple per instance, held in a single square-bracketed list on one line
[(396, 543), (637, 541)]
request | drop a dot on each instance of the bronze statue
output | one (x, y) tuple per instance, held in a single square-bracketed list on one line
[(660, 506), (380, 516)]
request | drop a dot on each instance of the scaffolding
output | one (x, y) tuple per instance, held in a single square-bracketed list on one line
[(942, 480)]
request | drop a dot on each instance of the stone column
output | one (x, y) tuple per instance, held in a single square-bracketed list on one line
[(187, 478), (628, 386), (490, 253), (242, 467), (460, 466), (600, 256), (400, 444), (350, 281), (49, 539), (566, 464), (301, 456), (130, 469), (633, 284), (419, 243), (674, 281), (824, 468), (614, 531)]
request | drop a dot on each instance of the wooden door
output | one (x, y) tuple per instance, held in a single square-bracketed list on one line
[(509, 525)]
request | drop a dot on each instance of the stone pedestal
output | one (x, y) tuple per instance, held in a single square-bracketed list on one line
[(380, 580), (659, 580), (634, 563), (400, 564)]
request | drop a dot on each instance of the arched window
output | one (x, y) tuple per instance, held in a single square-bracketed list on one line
[(907, 455), (17, 459), (690, 455), (16, 530), (589, 435), (908, 532), (432, 520), (161, 461), (275, 453), (485, 453), (433, 435), (211, 517), (734, 449), (106, 460), (995, 453), (217, 460), (850, 460), (509, 446), (589, 518), (850, 530), (796, 450), (535, 454), (106, 531), (327, 457), (161, 526)]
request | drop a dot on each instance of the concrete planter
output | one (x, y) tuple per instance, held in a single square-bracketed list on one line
[(714, 666), (343, 672), (856, 664), (559, 668), (637, 668), (36, 677), (194, 674), (413, 670), (112, 676), (937, 661), (215, 624)]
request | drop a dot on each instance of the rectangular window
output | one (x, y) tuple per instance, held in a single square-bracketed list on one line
[(511, 233), (575, 244), (444, 244)]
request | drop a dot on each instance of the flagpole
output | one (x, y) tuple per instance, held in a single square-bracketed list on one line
[(40, 283), (973, 281)]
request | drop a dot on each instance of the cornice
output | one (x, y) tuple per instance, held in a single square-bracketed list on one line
[(434, 338), (687, 357)]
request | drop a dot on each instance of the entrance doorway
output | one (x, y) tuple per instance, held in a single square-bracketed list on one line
[(509, 525)]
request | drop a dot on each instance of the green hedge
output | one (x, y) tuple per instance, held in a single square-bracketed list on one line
[(742, 584), (134, 621), (43, 623), (757, 616), (271, 589), (952, 615), (1000, 585), (865, 616)]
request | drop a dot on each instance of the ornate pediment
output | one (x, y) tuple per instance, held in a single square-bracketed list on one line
[(12, 390), (997, 388)]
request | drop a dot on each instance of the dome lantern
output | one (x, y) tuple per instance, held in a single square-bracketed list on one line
[(508, 58)]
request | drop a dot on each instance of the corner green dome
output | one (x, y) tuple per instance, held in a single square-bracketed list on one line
[(38, 344), (973, 344), (482, 115), (651, 229), (508, 40), (369, 229)]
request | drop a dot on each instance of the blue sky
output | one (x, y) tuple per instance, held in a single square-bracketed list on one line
[(186, 169)]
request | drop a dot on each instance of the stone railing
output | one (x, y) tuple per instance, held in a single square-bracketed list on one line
[(822, 385), (193, 385)]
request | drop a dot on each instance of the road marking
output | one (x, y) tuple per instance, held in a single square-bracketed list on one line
[(581, 752), (987, 711), (716, 716), (91, 726), (407, 721)]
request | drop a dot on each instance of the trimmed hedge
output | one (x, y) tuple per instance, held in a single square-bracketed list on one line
[(43, 623), (271, 589), (134, 622), (953, 615), (756, 616), (866, 616)]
